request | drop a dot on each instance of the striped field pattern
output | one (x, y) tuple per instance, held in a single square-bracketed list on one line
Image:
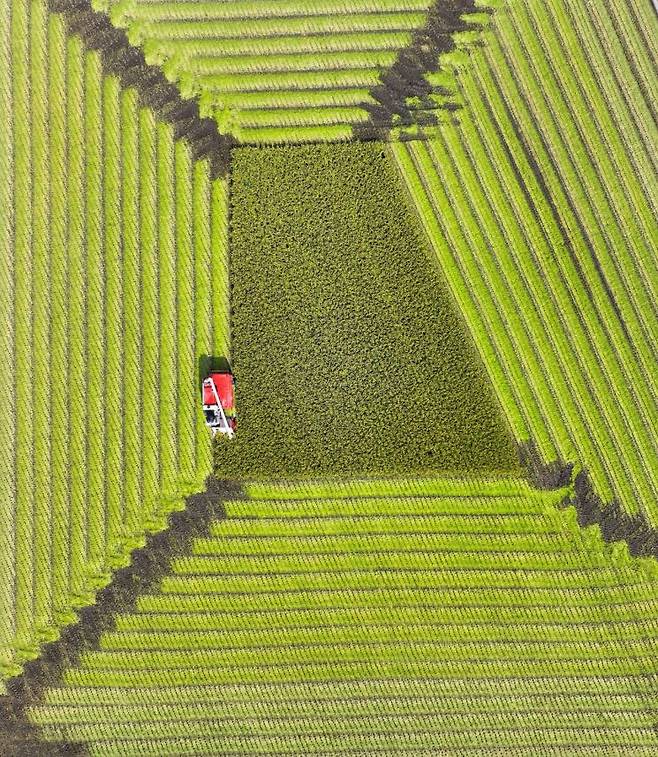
[(114, 244), (437, 615), (273, 71), (541, 209), (419, 616)]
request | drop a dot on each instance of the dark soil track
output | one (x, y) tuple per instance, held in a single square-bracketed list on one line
[(615, 523), (406, 77)]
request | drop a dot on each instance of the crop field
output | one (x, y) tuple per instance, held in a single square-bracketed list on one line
[(115, 288), (277, 71), (421, 237), (294, 71), (347, 350), (447, 614), (546, 230)]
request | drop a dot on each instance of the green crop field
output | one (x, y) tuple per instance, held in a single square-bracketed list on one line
[(115, 287), (546, 230), (410, 615), (422, 237), (274, 71), (347, 349), (291, 71)]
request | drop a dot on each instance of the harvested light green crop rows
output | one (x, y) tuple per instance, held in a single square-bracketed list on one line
[(539, 658), (114, 283), (347, 351), (289, 53), (541, 206)]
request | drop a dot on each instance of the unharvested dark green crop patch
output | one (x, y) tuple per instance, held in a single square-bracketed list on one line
[(347, 350)]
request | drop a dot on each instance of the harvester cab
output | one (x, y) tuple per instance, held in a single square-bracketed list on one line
[(218, 399)]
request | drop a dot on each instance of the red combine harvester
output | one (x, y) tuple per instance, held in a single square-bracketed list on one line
[(218, 398)]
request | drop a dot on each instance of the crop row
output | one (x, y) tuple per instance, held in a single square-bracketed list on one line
[(375, 525), (444, 656), (414, 646), (252, 9), (449, 489), (300, 99), (541, 225), (182, 629), (333, 725), (411, 505), (116, 266), (341, 576), (478, 691), (399, 741), (344, 78), (8, 376), (282, 135), (609, 636), (330, 670), (550, 559), (574, 581), (400, 545), (259, 47), (560, 609), (272, 118), (370, 23), (592, 707), (299, 63)]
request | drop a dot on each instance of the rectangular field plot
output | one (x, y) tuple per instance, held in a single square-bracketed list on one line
[(347, 351)]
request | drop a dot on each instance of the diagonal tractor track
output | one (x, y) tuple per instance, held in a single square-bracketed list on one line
[(404, 96)]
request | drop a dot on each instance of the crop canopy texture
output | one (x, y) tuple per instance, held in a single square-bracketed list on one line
[(113, 284), (347, 351), (453, 615)]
